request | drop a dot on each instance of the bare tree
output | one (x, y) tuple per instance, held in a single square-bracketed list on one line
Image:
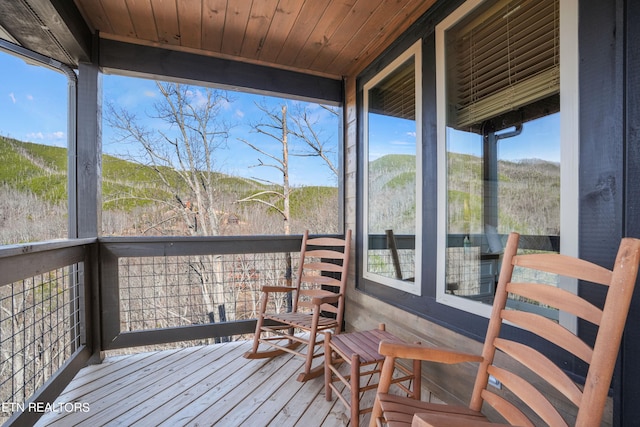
[(181, 151), (306, 128), (276, 128)]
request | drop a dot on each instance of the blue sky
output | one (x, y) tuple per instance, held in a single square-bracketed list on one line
[(391, 135), (539, 139), (33, 102), (33, 108)]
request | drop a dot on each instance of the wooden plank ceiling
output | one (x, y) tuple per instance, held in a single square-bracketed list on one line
[(332, 38)]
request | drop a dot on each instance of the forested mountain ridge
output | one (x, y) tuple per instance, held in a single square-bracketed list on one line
[(38, 174), (528, 193), (34, 183)]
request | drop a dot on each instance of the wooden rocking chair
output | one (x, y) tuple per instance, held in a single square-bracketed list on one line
[(520, 402), (318, 304)]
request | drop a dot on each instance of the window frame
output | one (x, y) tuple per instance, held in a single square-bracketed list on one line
[(569, 151), (413, 287)]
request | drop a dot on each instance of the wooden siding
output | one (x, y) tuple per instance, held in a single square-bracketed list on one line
[(204, 385), (323, 37)]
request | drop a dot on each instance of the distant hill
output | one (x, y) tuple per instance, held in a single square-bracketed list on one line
[(530, 186), (41, 170), (529, 197), (392, 180)]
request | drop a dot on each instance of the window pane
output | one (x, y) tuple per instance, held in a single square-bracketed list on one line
[(33, 151), (392, 216), (502, 142)]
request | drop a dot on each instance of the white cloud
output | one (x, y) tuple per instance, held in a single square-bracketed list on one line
[(13, 97), (30, 97), (197, 98), (58, 135), (239, 113), (35, 135), (226, 104)]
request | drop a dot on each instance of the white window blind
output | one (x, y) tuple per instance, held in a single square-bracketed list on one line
[(501, 59), (396, 94)]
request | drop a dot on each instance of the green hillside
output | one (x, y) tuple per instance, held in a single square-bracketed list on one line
[(34, 169), (528, 194), (41, 170), (528, 189)]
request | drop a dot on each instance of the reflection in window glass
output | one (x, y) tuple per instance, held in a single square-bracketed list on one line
[(33, 152), (392, 174), (502, 140)]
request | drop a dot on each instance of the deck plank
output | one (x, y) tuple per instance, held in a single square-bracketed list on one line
[(203, 386), (156, 396), (111, 386), (232, 384), (237, 404)]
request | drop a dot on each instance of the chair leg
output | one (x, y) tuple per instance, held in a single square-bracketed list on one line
[(355, 390), (256, 335), (383, 387), (254, 353), (259, 322), (311, 347), (328, 361), (309, 373), (417, 379)]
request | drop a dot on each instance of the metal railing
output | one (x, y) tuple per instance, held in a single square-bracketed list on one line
[(43, 290), (167, 290)]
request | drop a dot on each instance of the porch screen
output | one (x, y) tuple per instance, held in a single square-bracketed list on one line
[(502, 59)]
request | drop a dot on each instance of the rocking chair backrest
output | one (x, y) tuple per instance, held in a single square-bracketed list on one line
[(324, 262), (600, 356)]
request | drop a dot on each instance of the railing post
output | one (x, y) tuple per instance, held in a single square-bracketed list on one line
[(108, 316)]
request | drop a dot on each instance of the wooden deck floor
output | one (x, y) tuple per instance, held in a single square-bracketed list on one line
[(198, 386)]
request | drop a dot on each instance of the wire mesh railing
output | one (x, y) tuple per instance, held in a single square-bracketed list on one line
[(40, 329), (63, 303), (174, 291), (186, 291)]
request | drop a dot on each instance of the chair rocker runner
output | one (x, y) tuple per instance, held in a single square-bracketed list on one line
[(319, 290), (520, 394)]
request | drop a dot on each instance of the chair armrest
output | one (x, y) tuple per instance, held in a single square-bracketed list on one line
[(441, 420), (421, 352), (268, 289), (328, 299)]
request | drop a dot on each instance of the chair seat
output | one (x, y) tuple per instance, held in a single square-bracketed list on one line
[(399, 411), (302, 320), (363, 344), (360, 351)]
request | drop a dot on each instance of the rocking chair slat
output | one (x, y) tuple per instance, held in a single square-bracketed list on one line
[(319, 291)]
